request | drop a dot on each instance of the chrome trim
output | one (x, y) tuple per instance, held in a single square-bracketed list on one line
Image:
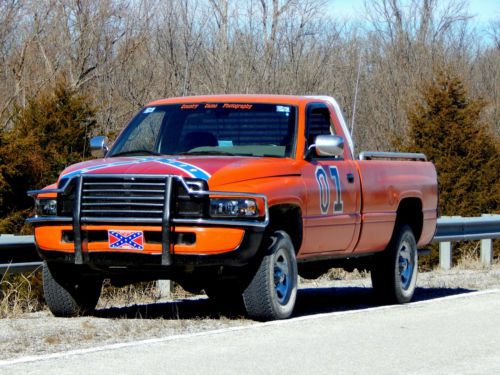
[(125, 220), (237, 223), (121, 183), (126, 190), (166, 255), (329, 145), (138, 221), (160, 177), (137, 199), (77, 224), (49, 219), (99, 146), (369, 155), (124, 211), (120, 203)]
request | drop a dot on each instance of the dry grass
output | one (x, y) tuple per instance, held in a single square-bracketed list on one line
[(20, 293), (341, 274), (138, 293), (23, 293), (470, 257), (141, 293), (52, 340)]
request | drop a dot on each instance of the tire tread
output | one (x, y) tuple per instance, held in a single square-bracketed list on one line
[(383, 273), (258, 296), (63, 299)]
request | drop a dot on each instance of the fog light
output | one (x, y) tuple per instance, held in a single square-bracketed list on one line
[(231, 207), (46, 207)]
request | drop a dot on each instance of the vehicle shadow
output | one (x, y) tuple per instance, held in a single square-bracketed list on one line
[(324, 300), (180, 309), (310, 301)]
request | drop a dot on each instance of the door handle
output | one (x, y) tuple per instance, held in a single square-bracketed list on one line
[(350, 178)]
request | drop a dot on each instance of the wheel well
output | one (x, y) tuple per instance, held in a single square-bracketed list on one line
[(287, 217), (410, 212)]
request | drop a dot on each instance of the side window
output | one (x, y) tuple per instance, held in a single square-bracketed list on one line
[(317, 123)]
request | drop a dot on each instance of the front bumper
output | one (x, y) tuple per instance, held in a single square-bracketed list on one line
[(81, 239), (102, 257)]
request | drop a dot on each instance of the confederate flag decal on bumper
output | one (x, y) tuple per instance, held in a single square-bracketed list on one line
[(125, 239)]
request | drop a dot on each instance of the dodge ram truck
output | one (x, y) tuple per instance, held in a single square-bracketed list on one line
[(234, 195)]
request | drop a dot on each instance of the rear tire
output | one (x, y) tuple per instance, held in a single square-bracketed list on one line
[(272, 292), (68, 294), (394, 272)]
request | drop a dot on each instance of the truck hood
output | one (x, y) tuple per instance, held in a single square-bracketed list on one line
[(217, 170)]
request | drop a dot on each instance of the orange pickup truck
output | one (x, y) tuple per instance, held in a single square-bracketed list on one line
[(236, 195)]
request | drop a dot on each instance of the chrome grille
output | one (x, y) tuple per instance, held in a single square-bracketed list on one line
[(133, 197)]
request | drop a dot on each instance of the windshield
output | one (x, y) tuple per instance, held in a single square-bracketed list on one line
[(246, 129)]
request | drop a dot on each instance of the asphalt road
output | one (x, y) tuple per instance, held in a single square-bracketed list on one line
[(458, 334)]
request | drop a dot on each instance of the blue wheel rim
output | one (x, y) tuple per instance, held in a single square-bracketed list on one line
[(406, 264), (281, 277)]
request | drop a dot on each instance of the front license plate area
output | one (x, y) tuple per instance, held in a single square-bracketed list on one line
[(125, 239)]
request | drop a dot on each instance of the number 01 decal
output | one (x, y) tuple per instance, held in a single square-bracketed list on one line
[(324, 190)]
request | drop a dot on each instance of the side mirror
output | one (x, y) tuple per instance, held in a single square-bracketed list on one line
[(99, 146), (329, 145)]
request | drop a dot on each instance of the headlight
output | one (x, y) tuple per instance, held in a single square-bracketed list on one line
[(233, 207), (46, 207)]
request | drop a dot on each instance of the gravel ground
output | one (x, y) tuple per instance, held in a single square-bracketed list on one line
[(41, 333)]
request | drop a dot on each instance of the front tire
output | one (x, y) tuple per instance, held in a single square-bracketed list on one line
[(394, 273), (272, 292), (69, 294)]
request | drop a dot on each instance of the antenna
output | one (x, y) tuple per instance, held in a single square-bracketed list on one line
[(355, 96)]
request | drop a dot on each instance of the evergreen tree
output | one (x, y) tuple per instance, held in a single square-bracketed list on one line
[(50, 133), (447, 128)]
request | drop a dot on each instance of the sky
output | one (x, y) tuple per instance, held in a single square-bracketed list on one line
[(484, 10)]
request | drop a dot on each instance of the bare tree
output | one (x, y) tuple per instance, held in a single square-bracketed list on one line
[(124, 53)]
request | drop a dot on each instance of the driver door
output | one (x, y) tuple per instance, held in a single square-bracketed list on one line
[(333, 189)]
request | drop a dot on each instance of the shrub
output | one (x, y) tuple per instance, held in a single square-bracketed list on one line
[(50, 133), (447, 127)]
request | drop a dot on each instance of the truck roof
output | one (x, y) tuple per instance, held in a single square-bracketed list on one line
[(256, 98)]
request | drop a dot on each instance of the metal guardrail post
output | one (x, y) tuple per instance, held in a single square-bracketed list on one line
[(445, 259), (165, 288), (487, 248), (486, 252)]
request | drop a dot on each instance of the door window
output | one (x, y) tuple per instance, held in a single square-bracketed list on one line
[(318, 123)]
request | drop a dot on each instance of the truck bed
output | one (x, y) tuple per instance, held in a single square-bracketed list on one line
[(384, 185)]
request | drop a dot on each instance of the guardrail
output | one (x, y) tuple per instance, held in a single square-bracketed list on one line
[(18, 253), (456, 228)]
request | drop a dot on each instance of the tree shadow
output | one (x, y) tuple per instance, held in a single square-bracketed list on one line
[(310, 301)]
